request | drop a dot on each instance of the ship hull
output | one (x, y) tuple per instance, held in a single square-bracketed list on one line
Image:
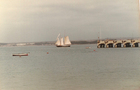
[(62, 45)]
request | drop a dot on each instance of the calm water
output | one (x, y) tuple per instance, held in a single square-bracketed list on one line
[(74, 68)]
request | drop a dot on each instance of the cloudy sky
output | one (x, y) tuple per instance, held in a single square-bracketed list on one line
[(43, 20)]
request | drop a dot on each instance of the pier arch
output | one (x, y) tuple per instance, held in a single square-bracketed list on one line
[(100, 44), (136, 44), (109, 45), (127, 45), (118, 45)]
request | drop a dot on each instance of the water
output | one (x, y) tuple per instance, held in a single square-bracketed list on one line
[(74, 68)]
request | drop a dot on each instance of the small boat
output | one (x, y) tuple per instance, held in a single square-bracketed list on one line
[(60, 42), (21, 54)]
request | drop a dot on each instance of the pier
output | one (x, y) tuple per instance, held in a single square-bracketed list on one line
[(118, 43)]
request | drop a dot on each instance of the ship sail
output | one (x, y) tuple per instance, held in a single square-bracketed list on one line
[(58, 42), (61, 41), (67, 41)]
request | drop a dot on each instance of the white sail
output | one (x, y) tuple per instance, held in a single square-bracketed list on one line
[(61, 41), (58, 42), (58, 35), (67, 41)]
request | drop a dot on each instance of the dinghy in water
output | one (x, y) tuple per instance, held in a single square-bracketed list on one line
[(21, 54)]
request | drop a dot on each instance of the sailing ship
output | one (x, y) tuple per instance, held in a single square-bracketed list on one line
[(61, 43)]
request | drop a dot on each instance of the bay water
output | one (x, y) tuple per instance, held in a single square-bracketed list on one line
[(70, 68)]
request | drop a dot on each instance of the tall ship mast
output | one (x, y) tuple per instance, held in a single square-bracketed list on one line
[(63, 43)]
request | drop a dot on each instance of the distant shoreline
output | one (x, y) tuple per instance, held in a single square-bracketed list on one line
[(46, 43), (77, 42)]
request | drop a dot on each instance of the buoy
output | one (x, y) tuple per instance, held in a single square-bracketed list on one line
[(95, 50), (47, 52)]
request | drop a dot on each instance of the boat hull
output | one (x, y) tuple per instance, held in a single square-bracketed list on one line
[(62, 45), (20, 54)]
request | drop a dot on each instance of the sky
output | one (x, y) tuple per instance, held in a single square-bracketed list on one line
[(43, 20)]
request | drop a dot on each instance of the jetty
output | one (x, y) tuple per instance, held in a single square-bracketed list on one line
[(118, 43)]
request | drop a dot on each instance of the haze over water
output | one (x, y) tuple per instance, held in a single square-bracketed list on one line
[(74, 68)]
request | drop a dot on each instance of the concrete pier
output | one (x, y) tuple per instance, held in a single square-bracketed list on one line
[(101, 44), (118, 43), (135, 43), (109, 43), (127, 43)]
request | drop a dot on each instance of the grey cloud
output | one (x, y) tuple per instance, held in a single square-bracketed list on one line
[(43, 20)]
